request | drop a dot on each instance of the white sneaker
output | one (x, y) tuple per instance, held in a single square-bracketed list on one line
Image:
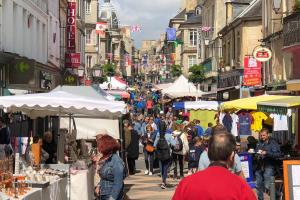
[(150, 174), (146, 172)]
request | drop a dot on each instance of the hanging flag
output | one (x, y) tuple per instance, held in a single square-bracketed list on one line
[(145, 60), (136, 28), (171, 34), (206, 28), (101, 27)]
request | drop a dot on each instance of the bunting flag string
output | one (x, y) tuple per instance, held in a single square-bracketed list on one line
[(136, 28)]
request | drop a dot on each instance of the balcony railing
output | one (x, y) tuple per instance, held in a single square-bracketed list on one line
[(291, 30)]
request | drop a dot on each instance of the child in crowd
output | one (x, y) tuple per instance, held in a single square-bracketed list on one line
[(195, 151)]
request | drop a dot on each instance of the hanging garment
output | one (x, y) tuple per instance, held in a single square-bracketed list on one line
[(258, 118), (227, 122), (221, 116), (245, 121), (235, 121), (280, 122)]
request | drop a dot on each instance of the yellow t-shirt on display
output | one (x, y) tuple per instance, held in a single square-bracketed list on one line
[(258, 118)]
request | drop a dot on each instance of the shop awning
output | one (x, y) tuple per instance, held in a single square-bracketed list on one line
[(279, 106), (119, 94), (196, 105), (250, 103)]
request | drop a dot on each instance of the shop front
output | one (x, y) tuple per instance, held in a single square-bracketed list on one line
[(28, 75)]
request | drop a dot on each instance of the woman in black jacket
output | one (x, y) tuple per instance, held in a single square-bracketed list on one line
[(133, 150)]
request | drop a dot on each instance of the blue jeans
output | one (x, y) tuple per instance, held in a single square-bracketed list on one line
[(164, 166), (149, 160), (263, 180)]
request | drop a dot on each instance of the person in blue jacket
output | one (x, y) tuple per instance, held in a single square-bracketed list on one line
[(268, 151)]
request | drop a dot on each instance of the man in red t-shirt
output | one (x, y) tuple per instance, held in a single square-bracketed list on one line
[(216, 182)]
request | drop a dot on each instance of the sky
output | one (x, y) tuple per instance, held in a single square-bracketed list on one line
[(152, 15)]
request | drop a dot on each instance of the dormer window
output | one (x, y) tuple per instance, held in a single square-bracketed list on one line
[(198, 10)]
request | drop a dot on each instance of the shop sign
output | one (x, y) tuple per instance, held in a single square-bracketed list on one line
[(262, 54), (72, 60), (252, 72), (70, 80), (71, 26)]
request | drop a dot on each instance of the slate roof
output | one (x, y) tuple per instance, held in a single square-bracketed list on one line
[(197, 19), (180, 15), (253, 10)]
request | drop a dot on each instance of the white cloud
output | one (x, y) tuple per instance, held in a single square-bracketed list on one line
[(152, 15)]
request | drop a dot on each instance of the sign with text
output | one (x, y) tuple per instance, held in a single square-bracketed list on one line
[(71, 27), (72, 60), (262, 54), (252, 72)]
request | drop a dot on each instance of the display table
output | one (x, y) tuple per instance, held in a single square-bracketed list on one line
[(57, 190), (82, 185)]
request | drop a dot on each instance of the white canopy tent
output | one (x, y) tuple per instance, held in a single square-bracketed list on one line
[(181, 88), (62, 103)]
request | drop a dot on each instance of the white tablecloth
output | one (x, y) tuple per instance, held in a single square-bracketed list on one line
[(57, 190), (82, 185)]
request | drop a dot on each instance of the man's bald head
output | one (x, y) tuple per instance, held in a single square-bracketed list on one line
[(221, 146)]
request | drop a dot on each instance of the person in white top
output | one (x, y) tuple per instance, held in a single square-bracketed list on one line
[(180, 150)]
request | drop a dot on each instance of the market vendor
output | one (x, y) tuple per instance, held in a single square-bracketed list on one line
[(5, 147), (50, 147)]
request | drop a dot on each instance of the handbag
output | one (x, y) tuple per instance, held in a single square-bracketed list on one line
[(149, 148)]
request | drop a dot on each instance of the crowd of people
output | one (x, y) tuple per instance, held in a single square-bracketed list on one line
[(168, 140)]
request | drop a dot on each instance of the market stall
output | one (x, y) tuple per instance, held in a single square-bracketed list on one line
[(242, 118), (56, 103), (205, 111), (281, 108)]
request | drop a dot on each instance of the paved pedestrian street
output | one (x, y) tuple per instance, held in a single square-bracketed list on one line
[(144, 187)]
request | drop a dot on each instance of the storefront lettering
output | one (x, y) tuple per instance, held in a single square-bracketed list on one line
[(71, 27)]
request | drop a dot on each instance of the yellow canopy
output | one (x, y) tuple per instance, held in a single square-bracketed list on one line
[(286, 102), (249, 103)]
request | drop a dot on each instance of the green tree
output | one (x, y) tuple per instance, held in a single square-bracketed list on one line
[(297, 6), (176, 70), (197, 74), (109, 69)]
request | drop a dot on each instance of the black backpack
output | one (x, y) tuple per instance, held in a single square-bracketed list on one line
[(179, 146), (163, 151)]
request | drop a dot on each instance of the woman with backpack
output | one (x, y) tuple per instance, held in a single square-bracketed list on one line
[(148, 141), (163, 143), (179, 150)]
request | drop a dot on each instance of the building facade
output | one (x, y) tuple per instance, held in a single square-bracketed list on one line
[(29, 43)]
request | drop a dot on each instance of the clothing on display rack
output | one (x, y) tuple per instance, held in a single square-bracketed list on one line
[(280, 122), (227, 122), (258, 118), (245, 121), (235, 121)]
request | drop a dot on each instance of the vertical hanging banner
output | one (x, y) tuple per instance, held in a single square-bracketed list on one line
[(252, 71), (71, 27), (171, 34)]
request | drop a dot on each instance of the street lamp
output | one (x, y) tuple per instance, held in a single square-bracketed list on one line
[(97, 71), (277, 5), (80, 71)]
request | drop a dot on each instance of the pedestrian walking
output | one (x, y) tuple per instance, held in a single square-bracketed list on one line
[(148, 142), (133, 150), (179, 151), (163, 151), (195, 151)]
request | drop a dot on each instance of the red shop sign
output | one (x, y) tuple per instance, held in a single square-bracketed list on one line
[(71, 27), (252, 72), (72, 60)]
